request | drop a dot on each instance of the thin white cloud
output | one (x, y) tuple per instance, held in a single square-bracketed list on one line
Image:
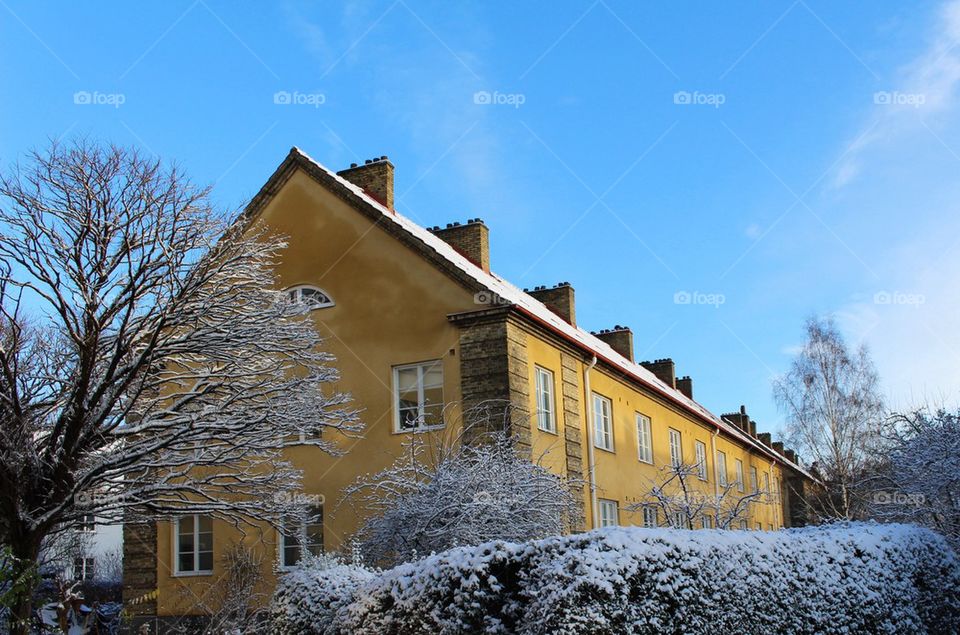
[(926, 88)]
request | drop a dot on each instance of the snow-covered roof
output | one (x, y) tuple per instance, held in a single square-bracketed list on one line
[(506, 291)]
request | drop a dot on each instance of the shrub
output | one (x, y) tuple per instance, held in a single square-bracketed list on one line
[(851, 578), (308, 598)]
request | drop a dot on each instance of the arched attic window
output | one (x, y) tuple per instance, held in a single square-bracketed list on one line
[(310, 297)]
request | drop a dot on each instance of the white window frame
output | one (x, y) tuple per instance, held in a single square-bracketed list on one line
[(679, 521), (707, 521), (676, 447), (605, 506), (88, 524), (86, 570), (302, 535), (743, 525), (700, 449), (722, 468), (650, 516), (738, 473), (602, 423), (295, 295), (644, 439), (546, 402), (196, 571), (421, 367), (754, 483)]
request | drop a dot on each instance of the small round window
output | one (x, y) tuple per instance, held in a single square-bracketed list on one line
[(310, 297)]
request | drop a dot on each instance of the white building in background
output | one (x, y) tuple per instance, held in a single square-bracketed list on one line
[(95, 551)]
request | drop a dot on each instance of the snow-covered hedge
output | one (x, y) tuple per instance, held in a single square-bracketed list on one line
[(856, 578), (307, 599)]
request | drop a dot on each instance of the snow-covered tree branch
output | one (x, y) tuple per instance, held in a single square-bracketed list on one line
[(147, 365), (445, 492)]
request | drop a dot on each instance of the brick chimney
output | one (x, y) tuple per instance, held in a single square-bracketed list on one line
[(685, 385), (620, 339), (778, 446), (664, 369), (472, 240), (558, 299), (791, 455), (375, 177), (765, 439)]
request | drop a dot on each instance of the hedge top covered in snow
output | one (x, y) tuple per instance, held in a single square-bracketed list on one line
[(852, 578)]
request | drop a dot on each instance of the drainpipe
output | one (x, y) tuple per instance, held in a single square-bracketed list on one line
[(776, 501), (591, 467), (716, 480)]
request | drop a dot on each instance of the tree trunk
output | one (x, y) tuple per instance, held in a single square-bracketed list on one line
[(26, 553)]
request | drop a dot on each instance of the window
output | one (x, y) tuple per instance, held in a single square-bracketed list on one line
[(546, 417), (88, 523), (743, 525), (679, 520), (644, 443), (701, 460), (602, 423), (721, 469), (194, 544), (84, 568), (759, 527), (310, 297), (707, 521), (769, 527), (766, 483), (418, 394), (738, 466), (301, 538), (650, 516), (608, 513), (676, 450), (753, 479)]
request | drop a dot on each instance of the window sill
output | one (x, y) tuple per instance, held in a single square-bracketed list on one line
[(610, 450), (645, 462), (419, 429), (553, 432), (191, 574)]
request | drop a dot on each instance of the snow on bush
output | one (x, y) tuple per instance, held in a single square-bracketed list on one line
[(308, 597), (852, 578)]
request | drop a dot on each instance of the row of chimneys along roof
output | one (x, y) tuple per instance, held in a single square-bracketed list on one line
[(472, 240)]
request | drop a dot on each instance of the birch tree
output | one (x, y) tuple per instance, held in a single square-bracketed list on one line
[(148, 366), (447, 492), (833, 411)]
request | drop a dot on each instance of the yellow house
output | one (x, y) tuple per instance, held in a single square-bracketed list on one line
[(422, 329)]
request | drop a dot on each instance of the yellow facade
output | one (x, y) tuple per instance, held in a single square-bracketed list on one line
[(391, 308)]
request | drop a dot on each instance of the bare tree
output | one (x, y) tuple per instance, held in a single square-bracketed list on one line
[(679, 494), (446, 492), (918, 475), (146, 362), (833, 411)]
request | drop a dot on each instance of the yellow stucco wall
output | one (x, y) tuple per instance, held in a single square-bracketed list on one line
[(391, 308)]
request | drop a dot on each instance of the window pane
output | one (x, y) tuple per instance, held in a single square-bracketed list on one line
[(407, 381), (185, 562), (433, 395), (206, 561), (409, 418), (291, 554), (433, 415), (186, 526), (433, 376), (205, 541)]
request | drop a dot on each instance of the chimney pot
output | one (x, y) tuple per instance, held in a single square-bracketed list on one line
[(560, 299), (664, 369), (375, 177), (472, 240)]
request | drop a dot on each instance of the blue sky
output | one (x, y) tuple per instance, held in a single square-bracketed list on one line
[(810, 166)]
